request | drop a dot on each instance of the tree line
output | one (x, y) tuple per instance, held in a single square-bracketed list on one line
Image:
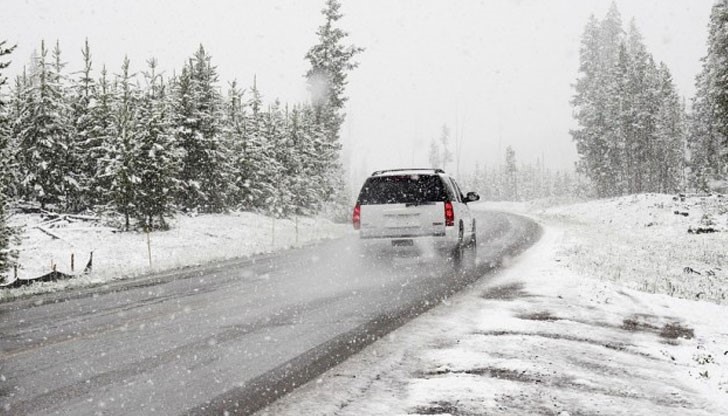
[(708, 135), (634, 133), (143, 145), (509, 180), (514, 181)]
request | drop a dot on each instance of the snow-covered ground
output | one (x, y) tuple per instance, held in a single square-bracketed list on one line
[(192, 240), (560, 332), (651, 242)]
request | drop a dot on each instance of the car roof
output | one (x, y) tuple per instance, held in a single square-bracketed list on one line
[(408, 171)]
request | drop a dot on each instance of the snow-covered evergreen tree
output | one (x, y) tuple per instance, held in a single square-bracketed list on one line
[(611, 105), (86, 143), (642, 92), (84, 90), (43, 136), (256, 168), (6, 133), (118, 167), (304, 184), (708, 139), (331, 61), (7, 255), (589, 102), (327, 170), (670, 132), (316, 167), (71, 159), (718, 52), (622, 104), (14, 111), (275, 130), (234, 135), (703, 140), (158, 158), (96, 154), (198, 115)]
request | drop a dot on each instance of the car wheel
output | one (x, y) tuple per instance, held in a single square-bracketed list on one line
[(457, 251)]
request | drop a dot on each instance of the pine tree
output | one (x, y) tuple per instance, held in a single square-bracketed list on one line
[(157, 157), (718, 52), (318, 163), (84, 151), (257, 167), (70, 160), (7, 255), (234, 134), (6, 134), (44, 136), (669, 154), (708, 139), (327, 171), (197, 119), (14, 115), (331, 61), (703, 140), (4, 50), (304, 187), (589, 102), (610, 37), (611, 102), (118, 167), (184, 129), (642, 91), (602, 105), (622, 106), (100, 132), (279, 203)]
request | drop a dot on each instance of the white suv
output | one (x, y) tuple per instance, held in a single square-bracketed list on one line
[(415, 207)]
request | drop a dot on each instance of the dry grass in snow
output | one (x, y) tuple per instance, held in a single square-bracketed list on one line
[(192, 240), (656, 243)]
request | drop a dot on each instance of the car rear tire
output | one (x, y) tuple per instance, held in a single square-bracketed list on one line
[(457, 251)]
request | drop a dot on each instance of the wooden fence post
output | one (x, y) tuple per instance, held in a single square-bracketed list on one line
[(273, 232), (149, 247)]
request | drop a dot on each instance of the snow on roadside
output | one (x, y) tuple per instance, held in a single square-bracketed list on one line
[(550, 335), (676, 245), (191, 241)]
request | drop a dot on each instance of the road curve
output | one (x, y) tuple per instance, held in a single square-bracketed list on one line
[(228, 337)]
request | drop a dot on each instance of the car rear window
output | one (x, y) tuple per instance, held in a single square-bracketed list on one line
[(404, 189)]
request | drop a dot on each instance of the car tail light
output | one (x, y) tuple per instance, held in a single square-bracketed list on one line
[(356, 217), (449, 214)]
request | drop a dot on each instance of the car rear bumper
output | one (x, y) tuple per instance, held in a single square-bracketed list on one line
[(446, 241)]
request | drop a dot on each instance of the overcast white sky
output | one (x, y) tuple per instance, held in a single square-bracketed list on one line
[(502, 68)]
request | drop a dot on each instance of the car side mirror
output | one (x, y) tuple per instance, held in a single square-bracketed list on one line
[(472, 197)]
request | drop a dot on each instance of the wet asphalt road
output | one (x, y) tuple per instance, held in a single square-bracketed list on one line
[(229, 337)]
